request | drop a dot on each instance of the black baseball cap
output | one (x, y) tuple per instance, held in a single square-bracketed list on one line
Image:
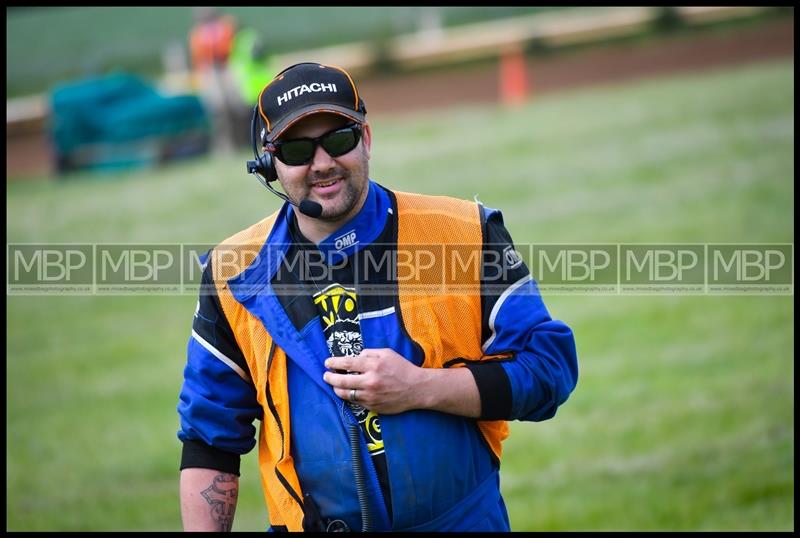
[(307, 88)]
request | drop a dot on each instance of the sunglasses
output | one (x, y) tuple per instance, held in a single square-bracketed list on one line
[(299, 151)]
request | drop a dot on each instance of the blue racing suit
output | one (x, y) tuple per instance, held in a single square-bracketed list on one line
[(443, 475)]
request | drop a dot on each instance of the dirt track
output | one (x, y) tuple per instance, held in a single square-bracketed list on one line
[(768, 40), (608, 64)]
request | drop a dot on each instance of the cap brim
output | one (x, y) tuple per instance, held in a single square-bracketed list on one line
[(301, 113)]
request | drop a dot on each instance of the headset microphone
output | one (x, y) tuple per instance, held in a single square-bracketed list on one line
[(310, 208), (264, 170)]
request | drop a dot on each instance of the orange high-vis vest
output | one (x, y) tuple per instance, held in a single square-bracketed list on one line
[(445, 325), (211, 42)]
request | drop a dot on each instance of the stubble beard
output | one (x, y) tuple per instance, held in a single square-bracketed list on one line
[(354, 183)]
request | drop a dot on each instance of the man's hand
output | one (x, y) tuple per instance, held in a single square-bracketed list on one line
[(387, 383)]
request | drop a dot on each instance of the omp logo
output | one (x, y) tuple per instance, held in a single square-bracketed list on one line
[(346, 240), (511, 257), (306, 88)]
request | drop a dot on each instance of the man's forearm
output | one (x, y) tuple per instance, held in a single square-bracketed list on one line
[(450, 390), (208, 499)]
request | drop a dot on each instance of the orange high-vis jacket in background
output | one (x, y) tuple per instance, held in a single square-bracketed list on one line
[(211, 42)]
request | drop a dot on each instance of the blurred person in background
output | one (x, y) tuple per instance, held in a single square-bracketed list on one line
[(383, 386), (252, 69), (252, 66), (210, 43)]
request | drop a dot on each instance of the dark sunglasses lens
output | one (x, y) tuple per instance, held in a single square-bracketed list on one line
[(340, 142), (295, 152)]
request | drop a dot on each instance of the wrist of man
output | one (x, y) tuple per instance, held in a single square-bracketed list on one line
[(426, 396)]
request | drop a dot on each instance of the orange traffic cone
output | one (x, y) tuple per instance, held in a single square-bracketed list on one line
[(513, 80)]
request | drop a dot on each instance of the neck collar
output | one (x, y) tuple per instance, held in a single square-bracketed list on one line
[(356, 233)]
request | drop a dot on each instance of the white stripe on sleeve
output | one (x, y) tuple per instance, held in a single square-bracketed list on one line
[(214, 351), (497, 306)]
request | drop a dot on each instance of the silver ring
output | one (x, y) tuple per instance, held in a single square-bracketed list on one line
[(353, 395)]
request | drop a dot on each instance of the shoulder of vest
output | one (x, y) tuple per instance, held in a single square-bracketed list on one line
[(446, 214), (236, 253), (412, 200)]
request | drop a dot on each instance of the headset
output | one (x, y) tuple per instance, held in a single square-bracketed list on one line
[(263, 167)]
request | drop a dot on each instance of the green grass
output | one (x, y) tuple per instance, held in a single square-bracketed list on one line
[(683, 414)]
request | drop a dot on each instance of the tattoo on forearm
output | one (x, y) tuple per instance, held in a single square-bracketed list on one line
[(222, 495)]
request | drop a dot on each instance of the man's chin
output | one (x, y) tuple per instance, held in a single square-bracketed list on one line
[(337, 206), (332, 213)]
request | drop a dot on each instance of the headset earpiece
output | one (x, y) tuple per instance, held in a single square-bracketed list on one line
[(263, 167), (266, 167), (263, 164)]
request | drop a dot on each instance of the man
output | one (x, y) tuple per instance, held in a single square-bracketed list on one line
[(210, 43), (382, 356), (251, 65)]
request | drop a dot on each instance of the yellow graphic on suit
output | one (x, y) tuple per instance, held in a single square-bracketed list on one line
[(338, 308), (372, 425), (334, 299)]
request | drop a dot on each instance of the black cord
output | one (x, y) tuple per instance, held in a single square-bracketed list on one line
[(360, 475)]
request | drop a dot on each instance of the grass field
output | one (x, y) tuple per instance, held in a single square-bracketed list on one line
[(683, 414)]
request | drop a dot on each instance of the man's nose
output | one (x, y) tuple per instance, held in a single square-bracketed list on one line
[(321, 161)]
